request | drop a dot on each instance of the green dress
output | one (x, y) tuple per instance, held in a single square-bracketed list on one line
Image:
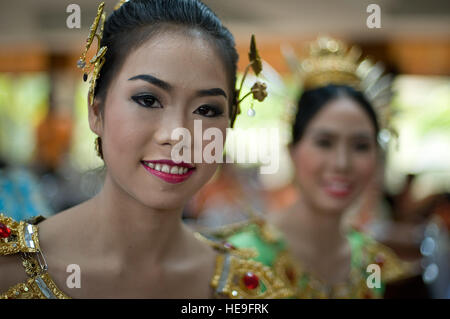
[(270, 249)]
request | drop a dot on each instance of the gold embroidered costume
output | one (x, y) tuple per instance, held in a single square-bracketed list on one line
[(236, 275)]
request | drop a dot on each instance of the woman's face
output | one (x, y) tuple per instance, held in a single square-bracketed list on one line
[(336, 157), (167, 83)]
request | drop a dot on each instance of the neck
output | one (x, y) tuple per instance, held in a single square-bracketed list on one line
[(321, 231), (134, 229), (316, 241)]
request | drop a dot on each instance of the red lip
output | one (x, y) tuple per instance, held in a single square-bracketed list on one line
[(167, 177), (338, 194), (341, 193)]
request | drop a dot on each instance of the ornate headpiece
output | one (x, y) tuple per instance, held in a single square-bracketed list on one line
[(331, 62), (96, 63)]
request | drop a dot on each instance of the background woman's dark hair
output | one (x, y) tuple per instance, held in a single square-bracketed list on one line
[(138, 20), (312, 101)]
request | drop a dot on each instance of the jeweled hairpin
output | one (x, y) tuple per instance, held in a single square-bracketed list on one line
[(95, 64), (119, 4), (259, 89)]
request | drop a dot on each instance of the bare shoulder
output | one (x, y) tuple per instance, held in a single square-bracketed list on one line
[(56, 234)]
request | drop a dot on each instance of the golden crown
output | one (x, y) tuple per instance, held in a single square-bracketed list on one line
[(331, 62)]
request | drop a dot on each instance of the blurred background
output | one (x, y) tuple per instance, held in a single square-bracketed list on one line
[(47, 156)]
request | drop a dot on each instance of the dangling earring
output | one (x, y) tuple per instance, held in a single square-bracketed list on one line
[(98, 147)]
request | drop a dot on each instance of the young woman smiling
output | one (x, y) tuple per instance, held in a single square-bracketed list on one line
[(161, 64)]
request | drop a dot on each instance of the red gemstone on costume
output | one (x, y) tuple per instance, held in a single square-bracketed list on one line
[(379, 260), (251, 281), (5, 232), (290, 274)]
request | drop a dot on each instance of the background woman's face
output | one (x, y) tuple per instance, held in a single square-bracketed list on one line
[(336, 157), (167, 83)]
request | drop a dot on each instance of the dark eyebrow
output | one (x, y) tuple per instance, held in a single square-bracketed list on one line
[(153, 80), (166, 86), (362, 135), (322, 132), (330, 134), (212, 92)]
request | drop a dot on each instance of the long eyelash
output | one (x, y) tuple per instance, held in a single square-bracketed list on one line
[(362, 147), (217, 110), (138, 98)]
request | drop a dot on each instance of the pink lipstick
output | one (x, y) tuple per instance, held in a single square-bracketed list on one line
[(169, 171)]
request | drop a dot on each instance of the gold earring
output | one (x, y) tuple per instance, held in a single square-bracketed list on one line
[(98, 147)]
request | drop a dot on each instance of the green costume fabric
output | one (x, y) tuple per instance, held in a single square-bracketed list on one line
[(271, 248)]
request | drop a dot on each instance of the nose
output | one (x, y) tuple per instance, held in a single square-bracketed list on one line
[(166, 126), (342, 162)]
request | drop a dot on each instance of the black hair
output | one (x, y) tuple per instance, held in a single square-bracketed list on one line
[(313, 100), (138, 20)]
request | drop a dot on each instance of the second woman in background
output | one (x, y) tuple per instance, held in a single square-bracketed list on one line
[(335, 154)]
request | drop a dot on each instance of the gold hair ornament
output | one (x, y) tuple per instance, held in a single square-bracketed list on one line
[(259, 89), (96, 63), (119, 4)]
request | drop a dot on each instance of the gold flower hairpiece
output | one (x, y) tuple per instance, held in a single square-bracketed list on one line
[(259, 89)]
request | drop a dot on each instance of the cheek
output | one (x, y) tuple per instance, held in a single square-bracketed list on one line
[(123, 133), (213, 141), (308, 163), (212, 150), (204, 173), (365, 166)]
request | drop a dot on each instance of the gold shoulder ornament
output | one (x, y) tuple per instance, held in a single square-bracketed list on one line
[(17, 237), (237, 276)]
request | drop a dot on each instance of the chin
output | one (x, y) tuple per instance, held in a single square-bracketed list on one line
[(162, 200), (334, 210), (333, 205), (164, 204)]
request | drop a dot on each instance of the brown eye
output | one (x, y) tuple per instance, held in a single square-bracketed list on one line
[(147, 100), (362, 147), (208, 111), (323, 143)]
